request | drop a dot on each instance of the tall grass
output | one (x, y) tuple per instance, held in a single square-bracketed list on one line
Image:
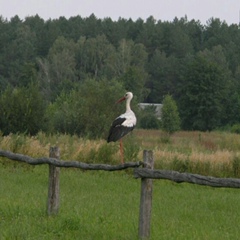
[(214, 153)]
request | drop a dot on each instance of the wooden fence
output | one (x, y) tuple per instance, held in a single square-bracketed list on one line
[(146, 173)]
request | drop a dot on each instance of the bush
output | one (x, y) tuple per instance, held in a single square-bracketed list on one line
[(149, 122), (22, 110), (235, 128), (148, 119), (86, 111), (170, 115)]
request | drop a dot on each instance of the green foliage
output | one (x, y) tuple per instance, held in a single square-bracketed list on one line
[(134, 80), (19, 51), (165, 73), (86, 111), (130, 67), (95, 57), (22, 110), (170, 116), (150, 58), (57, 72), (148, 119), (235, 128), (131, 148), (165, 139), (202, 95), (149, 122), (104, 154), (236, 166), (3, 83)]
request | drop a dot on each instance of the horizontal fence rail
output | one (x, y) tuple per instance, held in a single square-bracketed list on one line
[(67, 164), (187, 177)]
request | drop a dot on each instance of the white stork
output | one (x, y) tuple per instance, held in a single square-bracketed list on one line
[(123, 124)]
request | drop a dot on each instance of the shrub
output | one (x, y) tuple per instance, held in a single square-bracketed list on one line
[(86, 111), (148, 119), (235, 128), (149, 122), (170, 115), (22, 110)]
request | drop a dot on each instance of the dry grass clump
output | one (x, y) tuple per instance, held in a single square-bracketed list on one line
[(24, 144)]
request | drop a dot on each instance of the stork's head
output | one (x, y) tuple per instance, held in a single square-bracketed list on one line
[(128, 95)]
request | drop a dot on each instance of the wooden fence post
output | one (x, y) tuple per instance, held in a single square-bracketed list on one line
[(53, 187), (146, 198)]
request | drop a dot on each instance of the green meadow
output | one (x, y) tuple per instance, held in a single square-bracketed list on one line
[(105, 205)]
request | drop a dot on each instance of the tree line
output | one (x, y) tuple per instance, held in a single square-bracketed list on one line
[(63, 75)]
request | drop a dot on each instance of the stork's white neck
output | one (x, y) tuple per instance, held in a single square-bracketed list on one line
[(128, 108)]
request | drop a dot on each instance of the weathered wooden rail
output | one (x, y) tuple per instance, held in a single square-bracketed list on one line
[(146, 173), (66, 164), (187, 177)]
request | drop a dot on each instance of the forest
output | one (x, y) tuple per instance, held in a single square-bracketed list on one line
[(64, 75)]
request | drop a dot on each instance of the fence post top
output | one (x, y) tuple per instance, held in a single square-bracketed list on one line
[(54, 152), (148, 161)]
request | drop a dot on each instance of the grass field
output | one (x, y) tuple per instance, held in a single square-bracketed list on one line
[(105, 205)]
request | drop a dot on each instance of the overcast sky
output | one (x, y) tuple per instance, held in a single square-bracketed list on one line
[(165, 10)]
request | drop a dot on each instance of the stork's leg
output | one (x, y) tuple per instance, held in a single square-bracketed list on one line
[(121, 151)]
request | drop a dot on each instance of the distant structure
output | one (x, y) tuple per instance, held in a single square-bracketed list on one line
[(158, 108)]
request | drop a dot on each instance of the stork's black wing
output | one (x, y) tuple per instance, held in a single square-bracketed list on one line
[(117, 130)]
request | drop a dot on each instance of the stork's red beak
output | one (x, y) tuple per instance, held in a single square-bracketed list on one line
[(121, 99)]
